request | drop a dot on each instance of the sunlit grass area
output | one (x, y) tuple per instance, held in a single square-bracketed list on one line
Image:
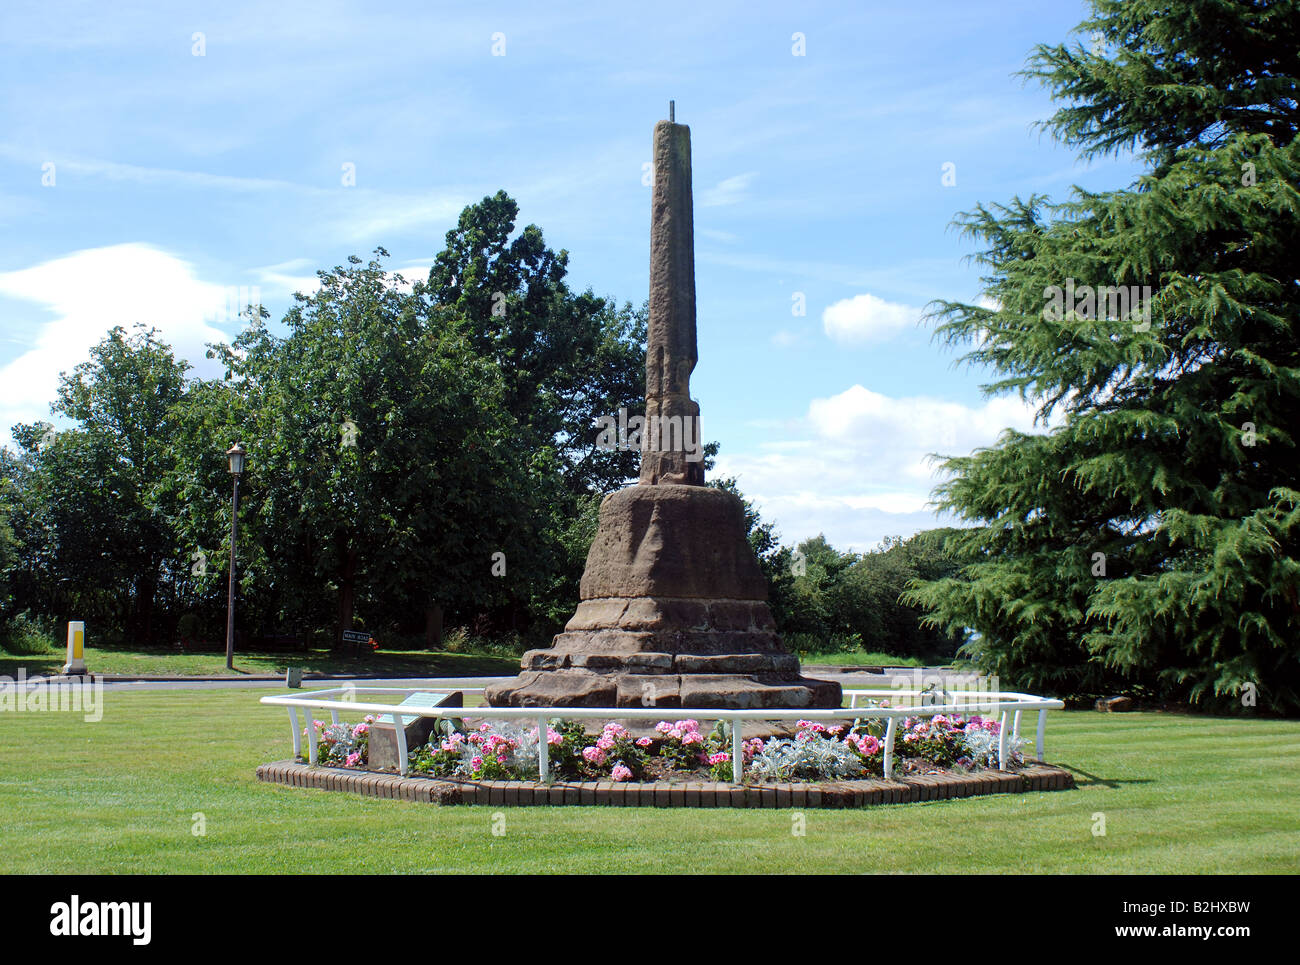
[(162, 662), (1178, 794)]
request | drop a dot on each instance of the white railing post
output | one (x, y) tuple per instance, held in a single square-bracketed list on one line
[(334, 715), (1015, 727), (297, 732), (737, 752), (312, 738), (890, 729), (543, 752), (1042, 729), (399, 730), (1002, 742)]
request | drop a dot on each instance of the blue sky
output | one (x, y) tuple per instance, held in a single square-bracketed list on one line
[(186, 168)]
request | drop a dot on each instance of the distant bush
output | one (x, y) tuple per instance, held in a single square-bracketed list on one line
[(460, 640), (823, 643), (25, 637)]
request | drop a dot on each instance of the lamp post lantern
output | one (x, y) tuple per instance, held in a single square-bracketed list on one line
[(235, 454)]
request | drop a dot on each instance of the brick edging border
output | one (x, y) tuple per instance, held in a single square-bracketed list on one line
[(842, 794)]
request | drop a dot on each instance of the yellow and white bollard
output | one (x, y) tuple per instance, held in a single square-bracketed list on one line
[(76, 643)]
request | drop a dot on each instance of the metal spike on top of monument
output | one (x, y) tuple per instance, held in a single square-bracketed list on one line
[(674, 604)]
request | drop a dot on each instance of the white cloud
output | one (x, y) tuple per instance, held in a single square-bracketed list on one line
[(369, 214), (866, 318), (714, 235), (87, 293), (732, 190), (284, 278), (860, 468)]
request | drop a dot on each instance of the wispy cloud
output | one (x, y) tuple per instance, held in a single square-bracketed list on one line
[(731, 190)]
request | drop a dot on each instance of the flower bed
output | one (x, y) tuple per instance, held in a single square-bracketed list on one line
[(680, 751)]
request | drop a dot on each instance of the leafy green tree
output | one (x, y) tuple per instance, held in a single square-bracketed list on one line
[(565, 359), (384, 468), (1149, 540), (96, 530), (10, 549)]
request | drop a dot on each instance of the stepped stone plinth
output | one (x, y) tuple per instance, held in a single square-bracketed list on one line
[(674, 605)]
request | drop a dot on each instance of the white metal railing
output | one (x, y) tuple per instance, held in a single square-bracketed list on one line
[(1006, 703)]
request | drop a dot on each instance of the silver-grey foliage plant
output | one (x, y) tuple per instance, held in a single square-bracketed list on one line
[(816, 757)]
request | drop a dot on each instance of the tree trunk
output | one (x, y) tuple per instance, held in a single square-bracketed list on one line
[(433, 626), (347, 594), (146, 587)]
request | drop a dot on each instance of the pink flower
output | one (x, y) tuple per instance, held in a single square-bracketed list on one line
[(604, 742), (868, 745), (663, 727), (675, 734), (360, 729), (688, 725), (692, 737), (501, 758), (716, 759), (476, 762), (553, 738), (593, 755), (354, 759), (448, 746), (621, 772), (370, 718), (643, 742), (615, 730)]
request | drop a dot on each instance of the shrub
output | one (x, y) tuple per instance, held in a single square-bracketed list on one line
[(682, 746), (615, 753), (26, 637), (344, 745)]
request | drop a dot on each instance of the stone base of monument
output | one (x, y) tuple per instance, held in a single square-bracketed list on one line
[(674, 614)]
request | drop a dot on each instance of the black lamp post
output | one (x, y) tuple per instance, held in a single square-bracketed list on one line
[(235, 454)]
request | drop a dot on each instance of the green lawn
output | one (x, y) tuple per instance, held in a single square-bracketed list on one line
[(161, 662), (857, 658), (1179, 794)]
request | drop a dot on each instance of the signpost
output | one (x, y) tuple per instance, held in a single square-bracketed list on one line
[(357, 639), (76, 644)]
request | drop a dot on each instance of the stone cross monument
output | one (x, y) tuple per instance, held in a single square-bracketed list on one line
[(674, 605)]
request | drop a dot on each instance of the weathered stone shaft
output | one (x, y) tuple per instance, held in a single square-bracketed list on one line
[(674, 453)]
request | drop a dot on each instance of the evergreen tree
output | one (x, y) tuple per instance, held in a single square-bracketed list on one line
[(1149, 540)]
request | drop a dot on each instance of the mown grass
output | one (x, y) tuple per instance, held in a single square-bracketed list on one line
[(172, 663), (1179, 794), (859, 658)]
